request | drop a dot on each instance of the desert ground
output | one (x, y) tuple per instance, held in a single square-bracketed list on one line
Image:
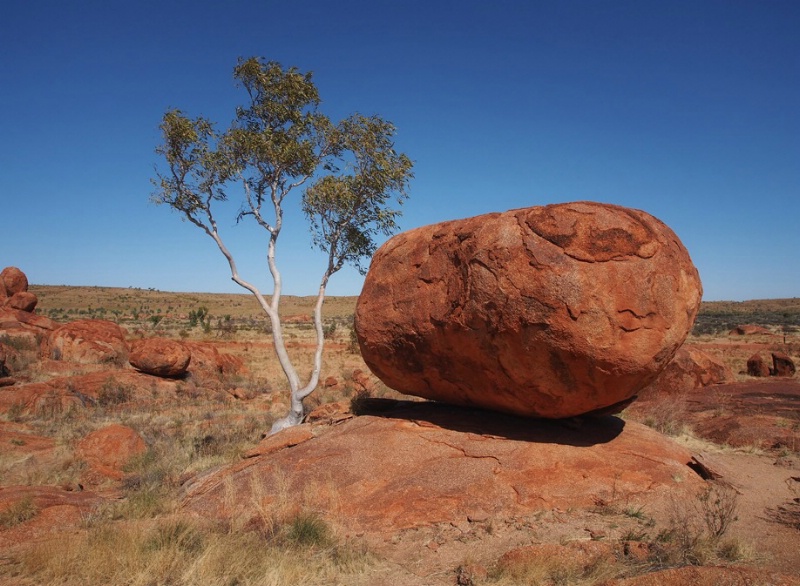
[(112, 476)]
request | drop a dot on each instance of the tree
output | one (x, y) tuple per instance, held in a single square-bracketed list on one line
[(277, 143)]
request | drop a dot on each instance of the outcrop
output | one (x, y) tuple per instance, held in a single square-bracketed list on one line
[(412, 464), (550, 311)]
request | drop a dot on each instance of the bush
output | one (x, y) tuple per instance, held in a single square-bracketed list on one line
[(308, 530)]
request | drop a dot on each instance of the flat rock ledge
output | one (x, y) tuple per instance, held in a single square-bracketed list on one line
[(416, 464)]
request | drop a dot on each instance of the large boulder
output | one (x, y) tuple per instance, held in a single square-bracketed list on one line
[(160, 357), (88, 341), (550, 311)]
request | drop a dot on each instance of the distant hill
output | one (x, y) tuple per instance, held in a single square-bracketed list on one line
[(65, 303)]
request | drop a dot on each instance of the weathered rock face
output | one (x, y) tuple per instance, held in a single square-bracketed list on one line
[(548, 311), (88, 341), (160, 357)]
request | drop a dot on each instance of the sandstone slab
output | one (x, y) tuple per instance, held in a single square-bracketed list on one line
[(550, 311), (416, 464)]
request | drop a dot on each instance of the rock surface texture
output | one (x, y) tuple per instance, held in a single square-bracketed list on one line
[(550, 311)]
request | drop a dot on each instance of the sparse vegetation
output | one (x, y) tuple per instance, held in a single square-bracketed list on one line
[(19, 512), (144, 538)]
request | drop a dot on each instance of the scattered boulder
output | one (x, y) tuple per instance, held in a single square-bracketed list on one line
[(160, 357), (690, 369), (362, 382), (12, 280), (782, 365), (757, 366), (550, 311), (749, 330), (88, 341), (108, 450)]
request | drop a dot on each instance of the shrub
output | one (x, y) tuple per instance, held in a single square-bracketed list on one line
[(308, 530)]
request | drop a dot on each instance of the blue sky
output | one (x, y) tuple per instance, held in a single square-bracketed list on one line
[(689, 110)]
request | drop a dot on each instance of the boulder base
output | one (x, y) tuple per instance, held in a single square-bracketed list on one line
[(409, 464)]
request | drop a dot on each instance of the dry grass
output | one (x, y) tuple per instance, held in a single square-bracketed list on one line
[(187, 552)]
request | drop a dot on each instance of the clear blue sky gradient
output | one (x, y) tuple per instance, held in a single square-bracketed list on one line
[(687, 109)]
